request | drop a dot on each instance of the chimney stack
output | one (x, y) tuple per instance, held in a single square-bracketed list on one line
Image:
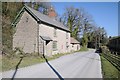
[(51, 12)]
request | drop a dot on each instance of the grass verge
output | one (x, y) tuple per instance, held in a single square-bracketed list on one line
[(108, 70), (83, 49), (11, 63)]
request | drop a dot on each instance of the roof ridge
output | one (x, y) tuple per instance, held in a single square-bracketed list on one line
[(47, 19), (37, 11)]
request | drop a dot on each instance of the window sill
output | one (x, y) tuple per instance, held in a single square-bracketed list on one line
[(55, 49)]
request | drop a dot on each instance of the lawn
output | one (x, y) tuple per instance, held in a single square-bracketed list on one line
[(108, 70)]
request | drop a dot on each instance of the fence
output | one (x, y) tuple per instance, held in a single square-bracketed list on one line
[(114, 59), (114, 45)]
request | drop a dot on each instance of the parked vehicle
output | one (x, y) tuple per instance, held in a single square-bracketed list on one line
[(98, 50)]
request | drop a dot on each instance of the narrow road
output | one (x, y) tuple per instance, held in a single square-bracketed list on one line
[(77, 65)]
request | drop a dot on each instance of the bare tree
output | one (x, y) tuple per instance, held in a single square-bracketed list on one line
[(40, 6), (77, 20), (9, 12), (71, 18)]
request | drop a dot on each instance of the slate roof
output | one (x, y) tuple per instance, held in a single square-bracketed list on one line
[(44, 18), (74, 41)]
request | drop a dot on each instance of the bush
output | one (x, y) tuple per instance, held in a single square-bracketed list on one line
[(104, 49)]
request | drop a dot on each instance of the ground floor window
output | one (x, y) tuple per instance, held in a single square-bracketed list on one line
[(54, 45), (67, 45)]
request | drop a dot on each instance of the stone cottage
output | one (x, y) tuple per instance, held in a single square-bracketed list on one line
[(74, 44), (36, 32)]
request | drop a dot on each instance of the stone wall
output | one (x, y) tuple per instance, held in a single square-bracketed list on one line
[(26, 34)]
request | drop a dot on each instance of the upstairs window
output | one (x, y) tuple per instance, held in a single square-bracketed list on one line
[(66, 35), (55, 32)]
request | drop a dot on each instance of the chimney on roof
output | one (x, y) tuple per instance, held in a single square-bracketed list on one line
[(51, 12)]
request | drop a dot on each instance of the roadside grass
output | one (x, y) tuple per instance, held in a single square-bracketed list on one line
[(58, 55), (11, 63), (109, 71), (83, 49)]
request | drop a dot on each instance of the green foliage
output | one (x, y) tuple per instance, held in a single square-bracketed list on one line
[(10, 9), (9, 12), (69, 24), (72, 18), (7, 39), (79, 22), (109, 62), (75, 33), (83, 49), (84, 40), (108, 70), (98, 36)]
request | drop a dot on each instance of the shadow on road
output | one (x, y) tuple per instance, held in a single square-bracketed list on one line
[(59, 76), (16, 68)]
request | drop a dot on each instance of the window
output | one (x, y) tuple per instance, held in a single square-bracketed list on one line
[(66, 35), (55, 32), (54, 45), (27, 19), (72, 45), (67, 45)]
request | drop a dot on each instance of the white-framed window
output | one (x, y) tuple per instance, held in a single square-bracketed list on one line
[(72, 45), (54, 45), (66, 35), (55, 32), (67, 45)]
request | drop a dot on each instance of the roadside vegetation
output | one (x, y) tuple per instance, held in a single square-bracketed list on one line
[(83, 49), (110, 64), (108, 70), (10, 62)]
